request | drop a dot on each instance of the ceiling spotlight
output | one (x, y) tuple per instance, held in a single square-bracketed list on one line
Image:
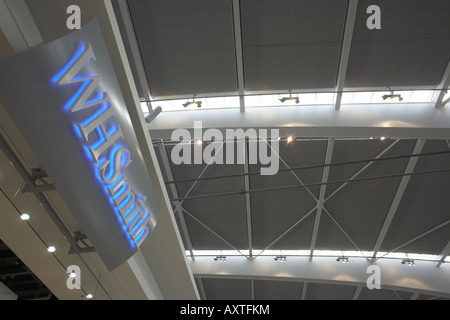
[(51, 249), (382, 138), (290, 98), (409, 262), (289, 139), (280, 258), (191, 103), (25, 216), (199, 142), (72, 275), (296, 99), (392, 96), (89, 296), (343, 259), (220, 258)]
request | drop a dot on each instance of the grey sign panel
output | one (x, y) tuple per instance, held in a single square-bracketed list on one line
[(65, 98)]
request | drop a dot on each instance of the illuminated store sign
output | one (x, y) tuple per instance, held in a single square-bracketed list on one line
[(103, 137), (67, 103)]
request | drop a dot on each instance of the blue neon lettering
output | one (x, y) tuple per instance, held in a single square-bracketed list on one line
[(108, 156)]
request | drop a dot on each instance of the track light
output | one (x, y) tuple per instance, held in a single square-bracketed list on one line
[(344, 259), (220, 258), (191, 103), (296, 99), (409, 262), (290, 98), (392, 96), (280, 258)]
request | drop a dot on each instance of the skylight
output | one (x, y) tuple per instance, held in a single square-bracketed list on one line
[(300, 99)]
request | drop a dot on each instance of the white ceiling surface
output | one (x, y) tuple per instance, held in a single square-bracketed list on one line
[(150, 274), (229, 48)]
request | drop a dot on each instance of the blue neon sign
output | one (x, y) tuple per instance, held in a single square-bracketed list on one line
[(104, 144)]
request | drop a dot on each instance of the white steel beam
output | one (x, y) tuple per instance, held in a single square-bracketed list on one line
[(345, 51), (398, 196), (248, 208), (239, 57), (441, 90), (362, 169), (357, 292), (320, 203), (212, 231), (423, 278), (135, 51), (375, 120), (445, 252), (168, 170)]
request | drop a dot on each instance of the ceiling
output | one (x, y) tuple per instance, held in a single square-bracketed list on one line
[(342, 201), (339, 194), (191, 47)]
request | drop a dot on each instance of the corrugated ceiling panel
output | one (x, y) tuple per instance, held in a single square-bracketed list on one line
[(412, 48), (187, 46), (287, 45)]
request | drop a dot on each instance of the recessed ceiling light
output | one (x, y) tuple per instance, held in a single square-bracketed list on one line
[(51, 249), (25, 216)]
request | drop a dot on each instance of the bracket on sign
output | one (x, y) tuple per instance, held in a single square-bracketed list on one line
[(80, 238), (38, 174)]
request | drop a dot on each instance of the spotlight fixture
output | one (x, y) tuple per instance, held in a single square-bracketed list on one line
[(72, 275), (296, 99), (191, 103), (89, 296), (392, 96), (290, 98), (343, 259), (25, 216), (220, 258), (409, 262), (51, 249), (280, 258), (290, 139)]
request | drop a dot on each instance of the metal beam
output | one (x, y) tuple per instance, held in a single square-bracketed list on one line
[(289, 229), (238, 47), (441, 90), (9, 153), (168, 170), (430, 280), (304, 288), (363, 169), (248, 208), (357, 292), (323, 187), (292, 171), (135, 52), (212, 231), (445, 252), (408, 121), (398, 196), (345, 51)]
